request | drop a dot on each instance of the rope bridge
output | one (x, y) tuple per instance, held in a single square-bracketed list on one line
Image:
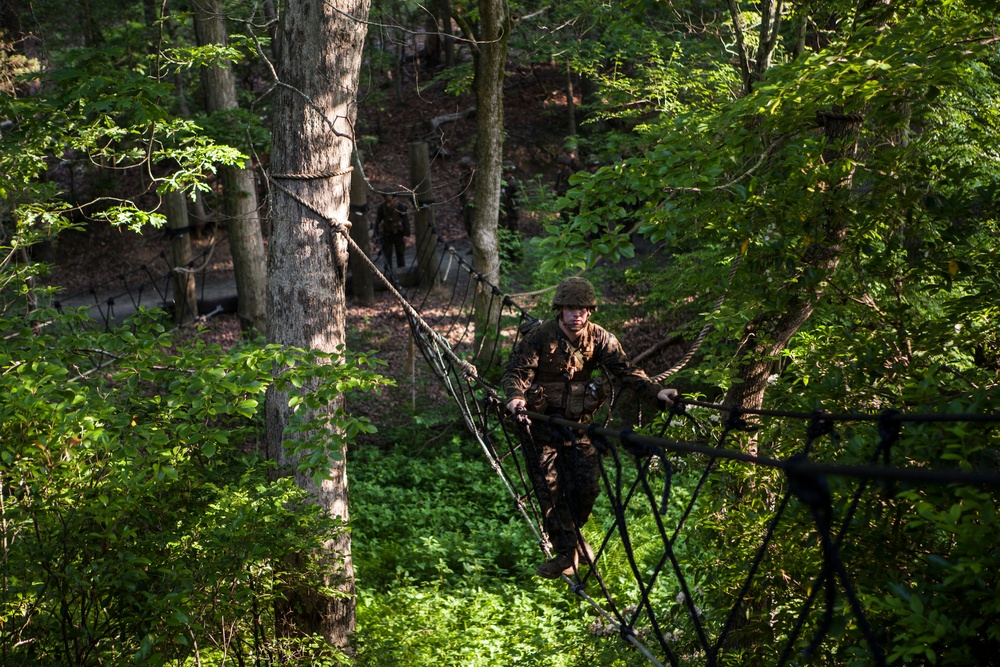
[(655, 489), (658, 493), (147, 286)]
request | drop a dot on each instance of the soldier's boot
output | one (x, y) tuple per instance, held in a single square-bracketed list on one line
[(557, 566)]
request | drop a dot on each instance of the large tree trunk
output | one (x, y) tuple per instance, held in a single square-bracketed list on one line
[(314, 113), (239, 186), (768, 334), (491, 57)]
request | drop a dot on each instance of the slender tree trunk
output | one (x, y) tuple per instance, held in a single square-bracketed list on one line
[(428, 259), (239, 186), (185, 296), (767, 335), (272, 27), (312, 140), (490, 63), (447, 35), (570, 102), (752, 69)]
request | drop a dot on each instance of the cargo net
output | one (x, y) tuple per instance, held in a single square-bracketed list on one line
[(802, 532), (108, 304), (667, 502)]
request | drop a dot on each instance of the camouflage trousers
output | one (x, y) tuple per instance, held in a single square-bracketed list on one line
[(565, 471), (395, 242)]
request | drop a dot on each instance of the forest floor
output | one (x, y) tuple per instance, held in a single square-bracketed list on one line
[(535, 121)]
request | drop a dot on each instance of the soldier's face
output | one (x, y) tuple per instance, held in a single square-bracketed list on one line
[(574, 319)]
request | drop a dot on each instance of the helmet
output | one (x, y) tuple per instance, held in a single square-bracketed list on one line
[(575, 292)]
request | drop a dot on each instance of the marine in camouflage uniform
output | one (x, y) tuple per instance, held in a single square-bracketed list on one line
[(510, 193), (550, 371), (393, 226)]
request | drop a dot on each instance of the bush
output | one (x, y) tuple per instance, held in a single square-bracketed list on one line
[(139, 523)]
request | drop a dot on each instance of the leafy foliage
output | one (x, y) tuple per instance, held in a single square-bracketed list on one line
[(139, 522), (750, 180), (104, 109), (140, 525), (444, 569)]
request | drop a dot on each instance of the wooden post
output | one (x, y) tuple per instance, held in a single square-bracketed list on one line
[(420, 178), (185, 297), (362, 286)]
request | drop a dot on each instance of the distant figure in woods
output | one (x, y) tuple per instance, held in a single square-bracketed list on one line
[(510, 191), (549, 372), (566, 165), (466, 192), (392, 223)]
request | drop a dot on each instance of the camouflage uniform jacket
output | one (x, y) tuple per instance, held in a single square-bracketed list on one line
[(553, 374), (392, 220)]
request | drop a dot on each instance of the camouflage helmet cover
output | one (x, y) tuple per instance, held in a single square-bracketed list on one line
[(575, 292)]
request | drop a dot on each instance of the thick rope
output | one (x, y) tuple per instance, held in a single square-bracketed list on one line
[(704, 330), (310, 176)]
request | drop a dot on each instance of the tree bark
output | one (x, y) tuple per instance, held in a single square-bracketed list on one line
[(447, 35), (490, 61), (246, 242), (272, 27), (312, 138), (428, 259), (752, 69), (570, 102), (185, 296)]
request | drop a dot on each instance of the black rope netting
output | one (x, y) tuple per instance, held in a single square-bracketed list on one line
[(639, 579), (653, 487), (150, 285)]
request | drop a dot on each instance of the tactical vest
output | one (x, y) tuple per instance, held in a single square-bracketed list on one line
[(562, 384), (394, 220)]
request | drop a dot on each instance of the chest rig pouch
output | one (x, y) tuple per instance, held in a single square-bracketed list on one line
[(562, 383)]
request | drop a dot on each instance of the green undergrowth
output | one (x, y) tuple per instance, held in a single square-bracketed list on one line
[(445, 569)]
